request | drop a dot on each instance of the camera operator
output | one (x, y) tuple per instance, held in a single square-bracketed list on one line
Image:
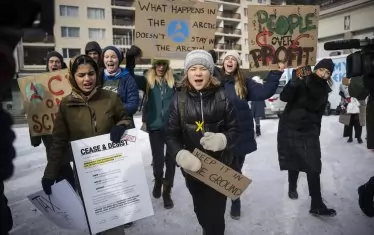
[(361, 88), (25, 12)]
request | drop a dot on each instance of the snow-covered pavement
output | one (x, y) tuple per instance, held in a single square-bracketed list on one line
[(266, 208)]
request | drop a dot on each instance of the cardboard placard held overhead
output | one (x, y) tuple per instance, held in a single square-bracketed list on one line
[(285, 34), (170, 29), (219, 176), (41, 96)]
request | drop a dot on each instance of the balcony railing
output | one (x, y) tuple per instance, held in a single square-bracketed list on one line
[(231, 1), (223, 46), (37, 38), (229, 31), (227, 14), (122, 40), (123, 22), (123, 3)]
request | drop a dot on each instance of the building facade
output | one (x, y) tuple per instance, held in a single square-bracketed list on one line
[(112, 22)]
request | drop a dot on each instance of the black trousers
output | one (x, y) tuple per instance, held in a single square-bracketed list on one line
[(209, 206), (238, 162), (314, 183), (160, 159), (65, 171), (353, 123)]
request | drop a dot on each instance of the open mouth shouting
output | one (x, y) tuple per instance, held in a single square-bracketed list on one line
[(88, 85), (110, 65)]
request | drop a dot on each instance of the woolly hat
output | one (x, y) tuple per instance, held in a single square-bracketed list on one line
[(118, 52), (199, 57), (155, 61), (235, 54), (325, 64)]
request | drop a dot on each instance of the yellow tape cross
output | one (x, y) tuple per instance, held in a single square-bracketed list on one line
[(199, 126)]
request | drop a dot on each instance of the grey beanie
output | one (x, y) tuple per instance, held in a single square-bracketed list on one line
[(199, 57)]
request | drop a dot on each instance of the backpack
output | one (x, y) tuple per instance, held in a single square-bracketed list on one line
[(220, 98)]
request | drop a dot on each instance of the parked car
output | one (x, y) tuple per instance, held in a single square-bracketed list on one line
[(274, 106)]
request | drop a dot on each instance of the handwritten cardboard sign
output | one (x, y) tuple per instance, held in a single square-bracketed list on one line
[(170, 29), (219, 176), (285, 34), (41, 95)]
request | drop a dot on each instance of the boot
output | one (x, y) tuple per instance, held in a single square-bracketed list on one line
[(350, 140), (157, 188), (359, 140), (204, 233), (235, 209), (318, 208), (258, 130), (292, 192), (166, 195)]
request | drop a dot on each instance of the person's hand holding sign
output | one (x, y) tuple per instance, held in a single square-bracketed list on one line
[(188, 161), (213, 141)]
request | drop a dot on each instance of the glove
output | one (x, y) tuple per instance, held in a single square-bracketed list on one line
[(213, 141), (116, 133), (35, 140), (188, 161), (348, 100), (47, 185)]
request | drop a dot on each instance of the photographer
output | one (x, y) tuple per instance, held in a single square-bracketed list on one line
[(361, 88)]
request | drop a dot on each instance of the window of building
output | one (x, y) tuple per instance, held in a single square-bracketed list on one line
[(96, 34), (70, 32), (246, 57), (71, 11), (245, 27), (95, 13), (245, 11), (70, 52)]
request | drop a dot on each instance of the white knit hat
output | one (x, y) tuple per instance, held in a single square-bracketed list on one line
[(233, 53), (199, 57)]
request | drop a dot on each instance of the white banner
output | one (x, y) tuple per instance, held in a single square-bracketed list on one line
[(63, 207), (113, 181)]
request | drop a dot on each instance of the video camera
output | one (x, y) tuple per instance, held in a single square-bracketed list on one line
[(360, 62)]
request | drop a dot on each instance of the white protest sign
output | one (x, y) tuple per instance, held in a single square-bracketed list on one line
[(63, 207), (113, 181)]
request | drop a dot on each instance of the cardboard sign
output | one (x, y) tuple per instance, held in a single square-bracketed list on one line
[(170, 29), (41, 95), (285, 34), (219, 176)]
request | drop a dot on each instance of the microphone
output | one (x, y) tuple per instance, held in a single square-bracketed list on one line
[(343, 44)]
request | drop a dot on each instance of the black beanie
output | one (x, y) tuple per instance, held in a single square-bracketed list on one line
[(325, 64)]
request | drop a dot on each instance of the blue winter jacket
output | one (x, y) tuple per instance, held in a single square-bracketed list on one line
[(124, 84), (256, 92)]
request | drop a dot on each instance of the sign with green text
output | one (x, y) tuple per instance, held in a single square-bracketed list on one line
[(285, 34), (170, 29)]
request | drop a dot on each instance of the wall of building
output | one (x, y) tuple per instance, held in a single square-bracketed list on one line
[(352, 23), (83, 22)]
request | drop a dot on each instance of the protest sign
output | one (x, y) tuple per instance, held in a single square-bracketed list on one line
[(219, 176), (41, 96), (285, 34), (113, 181), (170, 29), (63, 207)]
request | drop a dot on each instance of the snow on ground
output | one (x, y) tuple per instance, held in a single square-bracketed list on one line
[(266, 208)]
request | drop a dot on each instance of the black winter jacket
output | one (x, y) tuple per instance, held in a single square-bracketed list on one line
[(218, 117), (300, 124)]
